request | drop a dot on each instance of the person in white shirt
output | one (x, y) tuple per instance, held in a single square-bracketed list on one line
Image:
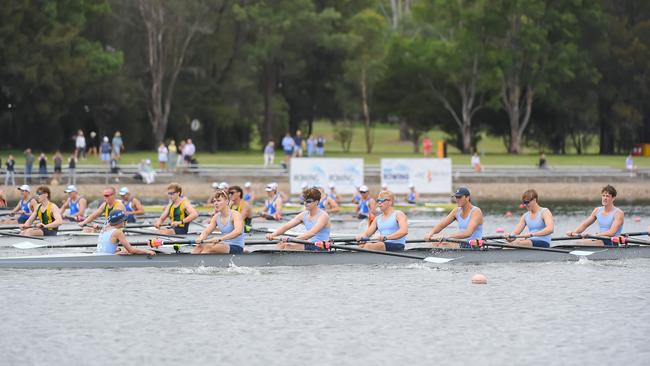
[(80, 144), (162, 156)]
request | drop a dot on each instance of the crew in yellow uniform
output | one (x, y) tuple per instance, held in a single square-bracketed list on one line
[(110, 203), (47, 212), (180, 212)]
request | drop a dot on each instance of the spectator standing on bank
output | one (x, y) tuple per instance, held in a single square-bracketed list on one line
[(58, 165), (72, 170), (11, 171), (180, 160), (269, 154), (427, 146), (92, 143), (80, 144), (311, 146), (162, 156), (189, 151), (105, 150), (172, 154), (629, 164), (118, 145), (287, 145), (29, 164), (42, 167), (542, 161), (476, 163), (297, 147), (320, 146)]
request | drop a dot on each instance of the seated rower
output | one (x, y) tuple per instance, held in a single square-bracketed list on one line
[(316, 221), (240, 205), (357, 196), (468, 217), (230, 224), (392, 225), (326, 202), (112, 235), (610, 220), (110, 203), (75, 203), (132, 205), (367, 205), (3, 199), (334, 194), (47, 212), (539, 221), (25, 207), (273, 203), (179, 210), (413, 196), (249, 195)]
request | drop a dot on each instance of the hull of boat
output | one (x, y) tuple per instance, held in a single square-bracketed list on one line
[(275, 258)]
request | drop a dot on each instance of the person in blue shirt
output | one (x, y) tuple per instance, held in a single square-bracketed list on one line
[(469, 218), (609, 217), (112, 235), (538, 220), (392, 226)]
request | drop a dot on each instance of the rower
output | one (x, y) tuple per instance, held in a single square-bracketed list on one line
[(112, 235), (367, 205), (132, 205), (47, 212), (110, 203), (357, 196), (316, 221), (230, 225), (273, 203), (610, 220), (469, 218), (333, 194), (249, 195), (413, 196), (3, 199), (25, 207), (240, 205), (179, 210), (392, 225), (326, 202), (75, 203), (539, 221)]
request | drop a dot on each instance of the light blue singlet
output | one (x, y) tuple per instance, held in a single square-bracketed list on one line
[(104, 244), (389, 226), (605, 222), (323, 234), (463, 223), (228, 228), (537, 224)]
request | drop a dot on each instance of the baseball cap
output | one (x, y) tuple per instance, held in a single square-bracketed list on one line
[(332, 185), (304, 186), (247, 185), (215, 185), (269, 187), (411, 185), (461, 191), (116, 217), (363, 188), (384, 186), (70, 188), (223, 185), (25, 187), (123, 191)]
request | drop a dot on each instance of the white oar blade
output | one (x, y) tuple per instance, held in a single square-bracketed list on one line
[(438, 260), (28, 245), (581, 253)]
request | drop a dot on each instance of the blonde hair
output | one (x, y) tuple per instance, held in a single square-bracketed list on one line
[(386, 194), (220, 193)]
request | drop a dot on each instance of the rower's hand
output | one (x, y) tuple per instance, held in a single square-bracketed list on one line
[(284, 239), (149, 252), (157, 224), (270, 236), (24, 227), (198, 241), (277, 216), (175, 223), (436, 237), (509, 237), (571, 233), (40, 225), (82, 224)]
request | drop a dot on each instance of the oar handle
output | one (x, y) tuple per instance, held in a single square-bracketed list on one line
[(329, 245), (502, 245), (638, 233)]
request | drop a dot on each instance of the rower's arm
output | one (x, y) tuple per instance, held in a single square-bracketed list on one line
[(93, 215), (278, 207), (31, 219), (403, 224), (520, 226), (138, 209), (333, 206), (33, 205), (121, 238), (370, 230), (282, 229), (474, 222), (444, 222), (65, 205), (208, 229), (587, 222), (238, 226), (618, 222), (322, 221), (164, 214), (17, 208), (192, 213), (372, 205), (547, 216), (58, 219), (246, 210), (83, 204)]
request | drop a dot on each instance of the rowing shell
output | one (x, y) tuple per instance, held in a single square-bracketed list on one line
[(272, 258)]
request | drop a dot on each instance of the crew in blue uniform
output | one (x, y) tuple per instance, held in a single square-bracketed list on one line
[(469, 219), (538, 220), (392, 226), (112, 235), (609, 217)]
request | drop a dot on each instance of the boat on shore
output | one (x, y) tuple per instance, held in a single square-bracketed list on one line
[(274, 258)]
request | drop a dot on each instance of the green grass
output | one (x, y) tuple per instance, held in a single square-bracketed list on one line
[(387, 145)]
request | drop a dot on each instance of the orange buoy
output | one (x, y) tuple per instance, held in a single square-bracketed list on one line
[(508, 214), (479, 279), (637, 219)]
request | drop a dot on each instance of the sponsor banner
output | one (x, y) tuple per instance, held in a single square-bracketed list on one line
[(345, 174), (428, 175)]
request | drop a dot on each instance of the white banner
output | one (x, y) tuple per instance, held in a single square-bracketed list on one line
[(346, 174), (428, 175)]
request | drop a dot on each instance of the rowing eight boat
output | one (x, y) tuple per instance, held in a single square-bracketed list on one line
[(272, 258)]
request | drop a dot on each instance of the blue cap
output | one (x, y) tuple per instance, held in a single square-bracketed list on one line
[(461, 191), (116, 217)]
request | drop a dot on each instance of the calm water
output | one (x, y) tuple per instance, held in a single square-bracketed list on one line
[(529, 313)]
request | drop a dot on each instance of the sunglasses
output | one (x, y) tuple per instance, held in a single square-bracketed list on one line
[(363, 191), (170, 193), (38, 193), (382, 200), (232, 192), (525, 202), (108, 195), (309, 201)]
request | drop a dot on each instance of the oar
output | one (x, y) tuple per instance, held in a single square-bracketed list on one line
[(144, 232), (638, 233), (362, 250), (21, 236), (129, 226), (29, 245), (580, 253)]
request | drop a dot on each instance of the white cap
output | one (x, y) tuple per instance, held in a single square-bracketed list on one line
[(70, 188), (411, 185), (223, 185), (269, 187), (304, 185), (123, 191), (215, 185), (147, 161), (25, 188), (332, 185), (247, 185), (384, 186), (105, 138), (363, 188)]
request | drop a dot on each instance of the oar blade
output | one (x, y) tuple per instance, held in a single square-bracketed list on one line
[(585, 253), (439, 260), (28, 245)]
